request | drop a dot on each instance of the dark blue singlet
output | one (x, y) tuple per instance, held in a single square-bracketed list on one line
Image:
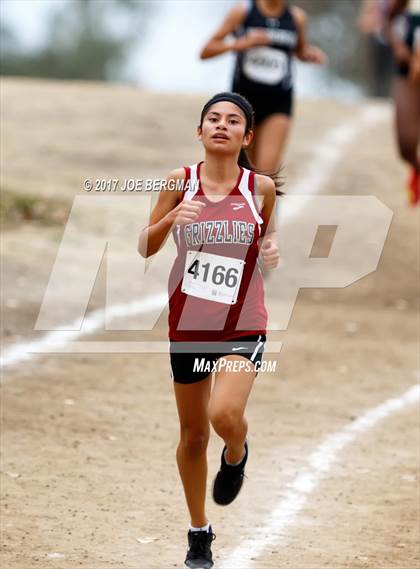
[(408, 29), (264, 74)]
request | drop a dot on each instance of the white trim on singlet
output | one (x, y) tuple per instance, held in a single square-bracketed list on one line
[(244, 189), (193, 187), (177, 236)]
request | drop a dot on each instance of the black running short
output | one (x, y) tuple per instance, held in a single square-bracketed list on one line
[(266, 102), (194, 361)]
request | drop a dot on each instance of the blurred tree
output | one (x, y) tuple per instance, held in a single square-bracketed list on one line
[(87, 39)]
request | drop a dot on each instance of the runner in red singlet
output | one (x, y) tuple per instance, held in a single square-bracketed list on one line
[(222, 222)]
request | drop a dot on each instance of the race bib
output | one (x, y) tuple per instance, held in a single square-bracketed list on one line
[(265, 65), (212, 277)]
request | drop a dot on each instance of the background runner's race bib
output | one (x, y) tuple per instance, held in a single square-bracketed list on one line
[(212, 277), (265, 65)]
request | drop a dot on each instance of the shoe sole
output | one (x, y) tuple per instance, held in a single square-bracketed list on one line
[(225, 503), (239, 491)]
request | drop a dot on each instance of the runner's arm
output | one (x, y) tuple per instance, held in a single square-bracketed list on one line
[(304, 51), (368, 21), (399, 48), (396, 7), (414, 74), (154, 235), (169, 211), (266, 192), (235, 18)]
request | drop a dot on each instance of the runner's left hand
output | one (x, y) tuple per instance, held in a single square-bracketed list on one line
[(270, 254), (313, 54)]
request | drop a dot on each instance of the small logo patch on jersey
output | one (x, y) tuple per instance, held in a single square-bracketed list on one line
[(238, 348), (236, 206)]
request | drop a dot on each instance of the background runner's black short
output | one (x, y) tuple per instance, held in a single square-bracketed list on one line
[(266, 102), (189, 367)]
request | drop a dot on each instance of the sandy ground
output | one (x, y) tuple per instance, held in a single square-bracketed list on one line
[(89, 440)]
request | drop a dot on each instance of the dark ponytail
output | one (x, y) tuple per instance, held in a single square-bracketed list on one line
[(246, 108), (245, 162)]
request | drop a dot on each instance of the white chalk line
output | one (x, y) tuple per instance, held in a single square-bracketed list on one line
[(319, 463), (94, 321), (328, 153)]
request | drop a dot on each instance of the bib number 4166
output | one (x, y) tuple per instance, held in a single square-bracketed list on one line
[(219, 274), (212, 277)]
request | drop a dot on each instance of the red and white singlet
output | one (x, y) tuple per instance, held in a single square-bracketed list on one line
[(216, 290)]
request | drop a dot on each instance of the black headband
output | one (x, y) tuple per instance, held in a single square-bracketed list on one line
[(237, 100)]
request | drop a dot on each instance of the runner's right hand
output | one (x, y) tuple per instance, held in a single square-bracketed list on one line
[(186, 212), (402, 53), (252, 39)]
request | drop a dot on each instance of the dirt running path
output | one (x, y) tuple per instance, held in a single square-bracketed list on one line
[(88, 464)]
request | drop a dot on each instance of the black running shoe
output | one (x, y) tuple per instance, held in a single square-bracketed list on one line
[(229, 480), (199, 555)]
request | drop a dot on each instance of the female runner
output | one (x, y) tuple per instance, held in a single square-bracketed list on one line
[(217, 319), (404, 34), (268, 34)]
